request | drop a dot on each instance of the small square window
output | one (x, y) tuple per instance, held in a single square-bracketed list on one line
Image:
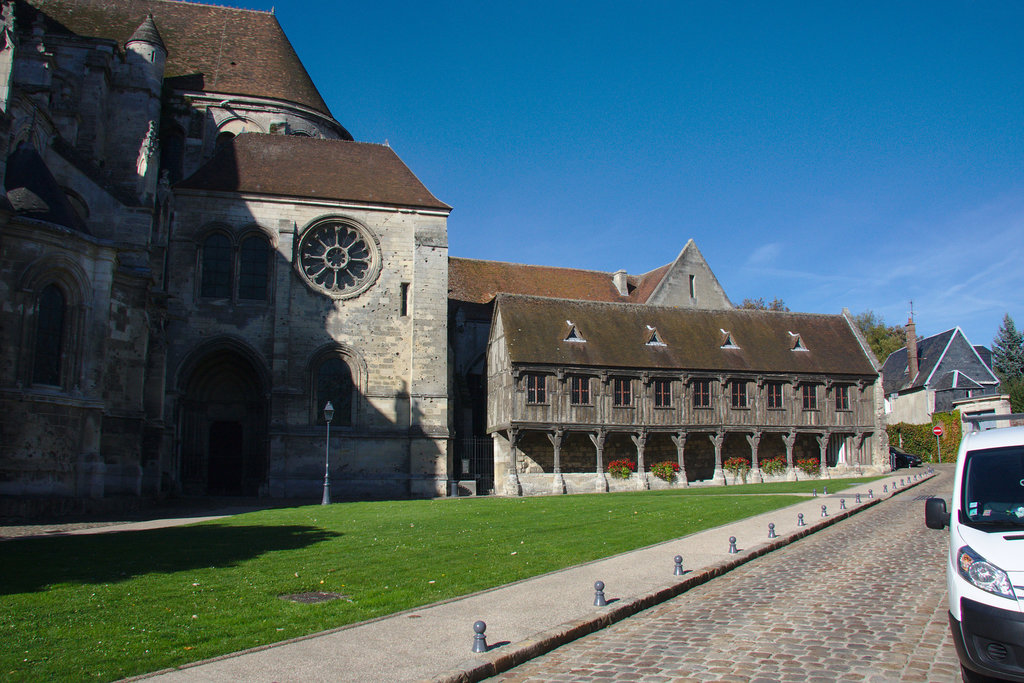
[(842, 394), (739, 393), (579, 390), (702, 393), (662, 393), (536, 388), (622, 391), (810, 396)]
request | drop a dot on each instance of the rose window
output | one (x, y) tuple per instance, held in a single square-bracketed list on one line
[(340, 259)]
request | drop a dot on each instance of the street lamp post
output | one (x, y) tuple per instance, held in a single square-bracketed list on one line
[(328, 416)]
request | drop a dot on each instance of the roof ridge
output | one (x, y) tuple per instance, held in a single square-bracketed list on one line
[(534, 265), (635, 306), (211, 4)]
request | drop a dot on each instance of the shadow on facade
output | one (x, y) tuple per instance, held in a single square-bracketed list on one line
[(33, 564)]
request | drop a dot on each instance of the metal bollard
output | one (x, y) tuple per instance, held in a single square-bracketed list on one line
[(871, 493), (732, 545), (856, 499), (771, 530), (678, 571), (800, 519), (599, 600), (814, 493), (479, 640), (901, 482), (824, 511), (824, 490), (842, 503), (885, 489)]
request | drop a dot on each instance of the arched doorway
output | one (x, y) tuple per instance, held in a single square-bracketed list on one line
[(223, 426)]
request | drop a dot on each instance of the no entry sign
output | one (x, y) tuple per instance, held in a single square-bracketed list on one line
[(937, 430)]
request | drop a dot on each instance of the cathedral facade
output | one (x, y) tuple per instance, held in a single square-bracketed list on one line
[(197, 258)]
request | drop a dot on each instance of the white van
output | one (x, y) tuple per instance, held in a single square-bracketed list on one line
[(985, 567)]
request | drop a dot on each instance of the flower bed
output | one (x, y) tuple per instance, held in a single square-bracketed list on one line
[(621, 469)]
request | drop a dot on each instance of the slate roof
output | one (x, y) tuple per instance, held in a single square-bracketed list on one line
[(209, 48), (955, 380), (298, 166), (476, 281), (930, 352), (33, 192), (616, 336)]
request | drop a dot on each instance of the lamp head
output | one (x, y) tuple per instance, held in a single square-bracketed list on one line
[(328, 412)]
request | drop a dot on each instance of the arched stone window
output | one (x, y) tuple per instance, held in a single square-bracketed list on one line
[(334, 383), (49, 338), (253, 270), (216, 267)]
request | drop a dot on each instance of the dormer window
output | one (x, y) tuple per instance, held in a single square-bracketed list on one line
[(796, 343), (653, 339), (573, 335), (727, 341)]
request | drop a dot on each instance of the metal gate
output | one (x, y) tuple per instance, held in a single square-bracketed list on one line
[(474, 460)]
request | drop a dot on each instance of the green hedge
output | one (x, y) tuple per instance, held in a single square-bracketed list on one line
[(919, 439)]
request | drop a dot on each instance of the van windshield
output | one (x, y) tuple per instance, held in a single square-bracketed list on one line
[(993, 487)]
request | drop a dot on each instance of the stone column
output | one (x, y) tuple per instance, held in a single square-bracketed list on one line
[(823, 448), (789, 439), (719, 475), (640, 440), (512, 485), (755, 468), (598, 439), (558, 482), (680, 441)]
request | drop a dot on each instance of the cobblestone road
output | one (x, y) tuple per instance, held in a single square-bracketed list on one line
[(864, 600)]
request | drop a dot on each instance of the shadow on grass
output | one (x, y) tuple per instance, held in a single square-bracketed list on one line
[(32, 564)]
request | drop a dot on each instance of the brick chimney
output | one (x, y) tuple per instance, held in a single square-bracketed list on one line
[(911, 350)]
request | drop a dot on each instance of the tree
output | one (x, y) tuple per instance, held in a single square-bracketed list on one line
[(883, 339), (759, 304), (1008, 352)]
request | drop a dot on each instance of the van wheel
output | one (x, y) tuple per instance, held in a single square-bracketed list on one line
[(969, 676)]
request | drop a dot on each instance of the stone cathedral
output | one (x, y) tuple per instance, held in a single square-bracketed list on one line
[(196, 257)]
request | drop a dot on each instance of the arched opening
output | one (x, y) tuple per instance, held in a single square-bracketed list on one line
[(224, 427)]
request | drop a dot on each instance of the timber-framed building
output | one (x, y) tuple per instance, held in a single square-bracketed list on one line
[(575, 384)]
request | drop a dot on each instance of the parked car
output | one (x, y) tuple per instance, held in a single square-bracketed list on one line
[(985, 563), (898, 459)]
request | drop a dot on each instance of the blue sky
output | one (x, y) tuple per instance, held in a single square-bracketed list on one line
[(856, 155)]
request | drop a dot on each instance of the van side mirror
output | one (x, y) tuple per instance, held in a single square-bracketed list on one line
[(935, 515)]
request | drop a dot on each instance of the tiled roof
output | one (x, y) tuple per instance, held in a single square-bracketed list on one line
[(616, 337), (929, 352), (209, 48), (476, 281), (298, 166)]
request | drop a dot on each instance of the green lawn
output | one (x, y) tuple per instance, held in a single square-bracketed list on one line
[(107, 606)]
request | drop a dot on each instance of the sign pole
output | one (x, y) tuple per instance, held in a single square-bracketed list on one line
[(937, 431)]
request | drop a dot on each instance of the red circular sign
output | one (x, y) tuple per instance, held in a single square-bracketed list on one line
[(937, 430)]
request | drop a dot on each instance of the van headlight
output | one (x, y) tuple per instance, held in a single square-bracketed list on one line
[(983, 574)]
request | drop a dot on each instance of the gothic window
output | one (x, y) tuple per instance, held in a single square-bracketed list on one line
[(216, 265), (334, 383), (702, 393), (774, 395), (579, 390), (254, 260), (536, 388), (662, 393), (338, 258), (739, 393), (622, 391), (842, 396), (810, 396), (46, 368)]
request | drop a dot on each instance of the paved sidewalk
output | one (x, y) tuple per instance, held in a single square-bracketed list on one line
[(527, 618)]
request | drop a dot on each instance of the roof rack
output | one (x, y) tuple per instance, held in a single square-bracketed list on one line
[(988, 420)]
